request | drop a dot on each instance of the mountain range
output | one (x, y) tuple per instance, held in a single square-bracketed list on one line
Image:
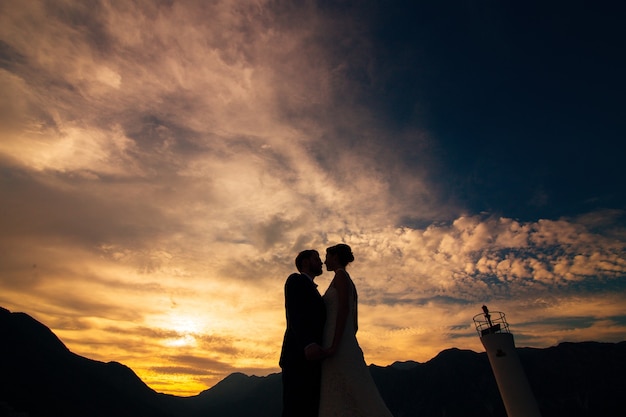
[(41, 377)]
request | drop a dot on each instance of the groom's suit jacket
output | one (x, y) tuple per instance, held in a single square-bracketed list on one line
[(306, 316)]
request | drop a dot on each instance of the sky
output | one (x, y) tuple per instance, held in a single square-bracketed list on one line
[(163, 162)]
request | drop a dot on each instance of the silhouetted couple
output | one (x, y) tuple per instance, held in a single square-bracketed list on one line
[(323, 369)]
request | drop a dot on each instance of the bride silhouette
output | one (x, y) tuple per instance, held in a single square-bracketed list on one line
[(347, 388)]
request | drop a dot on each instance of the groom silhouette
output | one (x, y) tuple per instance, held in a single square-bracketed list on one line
[(301, 353)]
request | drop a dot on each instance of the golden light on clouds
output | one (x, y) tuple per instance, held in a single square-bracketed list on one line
[(161, 164)]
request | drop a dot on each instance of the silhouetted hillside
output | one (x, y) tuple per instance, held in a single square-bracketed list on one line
[(40, 377), (239, 395), (578, 379)]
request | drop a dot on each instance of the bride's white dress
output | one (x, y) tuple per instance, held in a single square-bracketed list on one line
[(347, 389)]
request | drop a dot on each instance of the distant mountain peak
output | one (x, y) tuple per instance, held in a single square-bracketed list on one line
[(31, 334), (404, 365)]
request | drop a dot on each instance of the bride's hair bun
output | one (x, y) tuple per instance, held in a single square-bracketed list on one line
[(343, 252)]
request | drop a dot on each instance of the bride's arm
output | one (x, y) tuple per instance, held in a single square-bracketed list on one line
[(341, 285)]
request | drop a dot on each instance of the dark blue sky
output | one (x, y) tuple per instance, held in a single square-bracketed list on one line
[(524, 101)]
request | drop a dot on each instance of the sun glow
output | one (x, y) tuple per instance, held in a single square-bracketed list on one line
[(180, 330), (185, 340), (173, 383), (184, 324)]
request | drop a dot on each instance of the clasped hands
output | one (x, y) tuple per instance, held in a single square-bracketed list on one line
[(315, 352)]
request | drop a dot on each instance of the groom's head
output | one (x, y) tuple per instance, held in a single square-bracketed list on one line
[(309, 262)]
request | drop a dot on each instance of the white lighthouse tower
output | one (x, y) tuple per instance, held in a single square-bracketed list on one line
[(494, 334)]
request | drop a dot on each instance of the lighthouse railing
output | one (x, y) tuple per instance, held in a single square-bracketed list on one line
[(492, 322)]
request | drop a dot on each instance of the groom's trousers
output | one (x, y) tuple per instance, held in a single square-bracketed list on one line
[(301, 390)]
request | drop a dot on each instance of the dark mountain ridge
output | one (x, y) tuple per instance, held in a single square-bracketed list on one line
[(40, 377)]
